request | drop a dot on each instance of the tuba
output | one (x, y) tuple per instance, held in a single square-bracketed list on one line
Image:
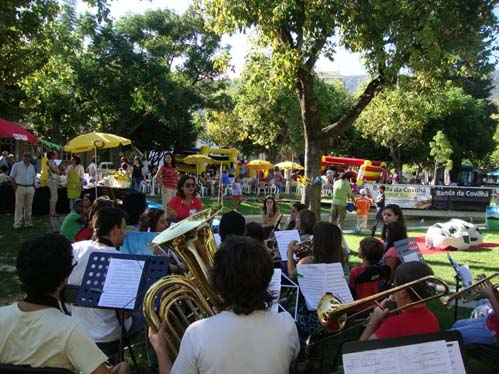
[(178, 299)]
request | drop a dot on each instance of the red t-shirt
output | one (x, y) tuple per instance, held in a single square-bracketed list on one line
[(177, 203), (492, 323), (412, 322), (84, 234), (362, 289), (169, 177), (362, 204)]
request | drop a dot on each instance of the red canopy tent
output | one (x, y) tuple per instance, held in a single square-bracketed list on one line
[(10, 129)]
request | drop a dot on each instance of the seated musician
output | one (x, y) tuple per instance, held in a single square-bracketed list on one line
[(305, 222), (103, 325), (246, 337), (232, 223), (413, 320), (482, 330), (35, 331), (326, 249), (370, 251)]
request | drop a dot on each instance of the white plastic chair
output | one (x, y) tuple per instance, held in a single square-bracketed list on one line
[(262, 186)]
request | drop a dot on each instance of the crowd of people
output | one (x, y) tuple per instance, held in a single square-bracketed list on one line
[(248, 336)]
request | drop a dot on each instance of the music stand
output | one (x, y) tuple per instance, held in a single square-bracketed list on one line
[(450, 336), (460, 278), (92, 285)]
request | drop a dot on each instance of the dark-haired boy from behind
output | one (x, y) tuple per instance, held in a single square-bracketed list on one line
[(370, 251)]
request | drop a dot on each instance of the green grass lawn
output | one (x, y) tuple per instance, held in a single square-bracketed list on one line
[(481, 261)]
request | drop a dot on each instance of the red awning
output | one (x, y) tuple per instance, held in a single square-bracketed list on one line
[(10, 129)]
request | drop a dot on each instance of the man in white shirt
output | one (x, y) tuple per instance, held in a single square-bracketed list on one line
[(23, 181), (246, 337), (103, 326)]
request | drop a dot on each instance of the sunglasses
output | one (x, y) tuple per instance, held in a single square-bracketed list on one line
[(188, 185)]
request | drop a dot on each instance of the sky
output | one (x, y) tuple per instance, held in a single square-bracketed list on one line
[(345, 63)]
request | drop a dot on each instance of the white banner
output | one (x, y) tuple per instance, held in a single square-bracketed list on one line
[(414, 196)]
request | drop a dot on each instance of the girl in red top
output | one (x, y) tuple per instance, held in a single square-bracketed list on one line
[(168, 177), (186, 202)]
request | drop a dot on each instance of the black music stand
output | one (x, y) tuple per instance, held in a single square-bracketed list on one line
[(91, 288), (371, 345), (459, 279)]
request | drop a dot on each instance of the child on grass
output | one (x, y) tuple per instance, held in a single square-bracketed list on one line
[(237, 193), (362, 205)]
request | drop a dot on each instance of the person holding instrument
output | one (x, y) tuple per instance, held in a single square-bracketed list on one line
[(326, 249), (482, 330), (185, 203), (35, 331), (246, 336), (413, 320)]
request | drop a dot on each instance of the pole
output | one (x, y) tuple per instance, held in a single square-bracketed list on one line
[(96, 171)]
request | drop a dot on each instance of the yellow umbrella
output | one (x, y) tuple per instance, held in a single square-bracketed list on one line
[(259, 164), (288, 165), (196, 160), (94, 140)]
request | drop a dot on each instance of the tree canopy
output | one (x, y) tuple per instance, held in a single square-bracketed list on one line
[(421, 38)]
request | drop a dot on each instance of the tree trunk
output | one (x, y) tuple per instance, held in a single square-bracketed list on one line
[(396, 158), (313, 140)]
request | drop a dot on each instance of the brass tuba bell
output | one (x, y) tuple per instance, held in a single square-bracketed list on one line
[(180, 299)]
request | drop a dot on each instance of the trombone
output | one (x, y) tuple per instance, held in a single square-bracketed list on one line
[(469, 293), (333, 315)]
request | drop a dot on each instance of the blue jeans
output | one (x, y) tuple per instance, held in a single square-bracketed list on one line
[(475, 331)]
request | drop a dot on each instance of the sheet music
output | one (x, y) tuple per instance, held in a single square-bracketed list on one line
[(465, 274), (122, 283), (456, 360), (218, 240), (413, 256), (316, 280), (283, 238), (423, 358), (274, 289), (382, 361)]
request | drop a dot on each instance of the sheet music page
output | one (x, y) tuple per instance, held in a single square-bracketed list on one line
[(218, 240), (336, 282), (382, 361), (412, 256), (274, 289), (283, 238), (122, 283), (456, 360), (425, 358), (465, 274), (312, 281)]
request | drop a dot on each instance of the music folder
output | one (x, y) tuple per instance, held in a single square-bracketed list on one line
[(408, 250), (441, 353)]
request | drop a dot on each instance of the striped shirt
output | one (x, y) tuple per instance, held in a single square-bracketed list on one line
[(169, 176)]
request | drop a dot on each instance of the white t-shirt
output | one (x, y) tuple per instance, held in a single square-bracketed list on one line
[(101, 324), (46, 338), (262, 342), (237, 189)]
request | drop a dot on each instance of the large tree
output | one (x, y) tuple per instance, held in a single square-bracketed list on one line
[(425, 38), (142, 77)]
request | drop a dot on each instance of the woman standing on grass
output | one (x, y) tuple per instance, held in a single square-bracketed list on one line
[(52, 181), (74, 182), (270, 215), (168, 176)]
